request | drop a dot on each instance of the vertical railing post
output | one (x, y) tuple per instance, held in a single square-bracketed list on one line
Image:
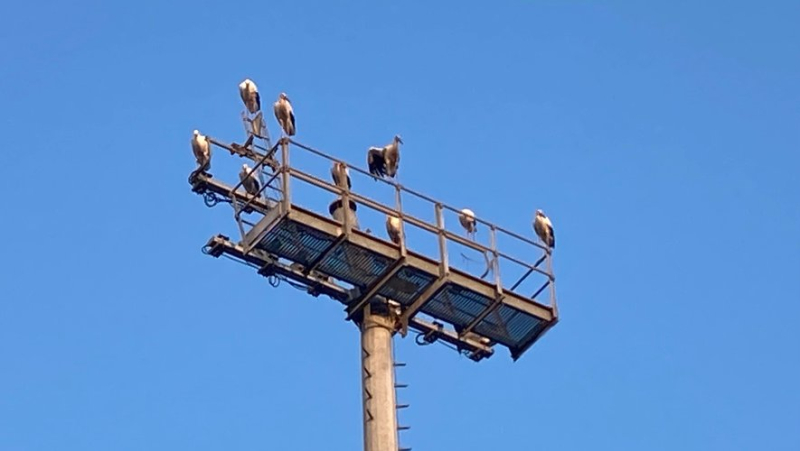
[(553, 302), (399, 206), (495, 260), (444, 268), (285, 175)]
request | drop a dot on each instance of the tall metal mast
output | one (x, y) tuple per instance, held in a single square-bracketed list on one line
[(386, 287)]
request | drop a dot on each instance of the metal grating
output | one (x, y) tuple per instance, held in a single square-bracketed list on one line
[(407, 285), (457, 305), (510, 326), (355, 265), (295, 241)]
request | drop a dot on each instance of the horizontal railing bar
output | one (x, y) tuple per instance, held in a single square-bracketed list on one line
[(308, 178), (361, 199), (416, 193)]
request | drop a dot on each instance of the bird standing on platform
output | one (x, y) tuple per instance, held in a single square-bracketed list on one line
[(249, 180), (202, 151), (544, 229), (467, 220), (284, 114), (394, 228), (249, 92), (384, 161), (337, 212), (340, 175)]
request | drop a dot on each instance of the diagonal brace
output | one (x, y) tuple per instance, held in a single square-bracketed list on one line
[(412, 309), (373, 290), (483, 315), (328, 251)]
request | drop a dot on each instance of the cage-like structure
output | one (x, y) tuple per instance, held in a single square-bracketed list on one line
[(282, 233)]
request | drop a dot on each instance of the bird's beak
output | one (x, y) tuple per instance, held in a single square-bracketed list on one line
[(400, 140)]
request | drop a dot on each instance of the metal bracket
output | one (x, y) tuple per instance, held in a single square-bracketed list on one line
[(412, 309)]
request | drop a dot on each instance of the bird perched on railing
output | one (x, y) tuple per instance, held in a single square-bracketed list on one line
[(384, 161), (249, 93), (394, 228), (249, 180), (284, 114), (467, 220), (202, 151), (544, 229), (340, 175)]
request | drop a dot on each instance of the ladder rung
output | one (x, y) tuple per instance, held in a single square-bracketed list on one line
[(403, 428), (403, 406), (403, 449), (400, 385), (399, 364)]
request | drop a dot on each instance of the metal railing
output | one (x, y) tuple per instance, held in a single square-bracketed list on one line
[(281, 182)]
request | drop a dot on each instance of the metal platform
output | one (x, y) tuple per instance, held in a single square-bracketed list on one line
[(324, 253)]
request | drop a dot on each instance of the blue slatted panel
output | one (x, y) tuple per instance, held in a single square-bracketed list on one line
[(355, 265), (407, 285), (295, 242)]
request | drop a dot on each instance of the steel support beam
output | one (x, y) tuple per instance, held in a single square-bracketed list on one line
[(412, 309)]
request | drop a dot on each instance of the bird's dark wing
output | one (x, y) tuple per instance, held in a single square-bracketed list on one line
[(256, 185), (349, 185), (335, 205), (552, 238), (376, 163), (258, 101), (294, 127)]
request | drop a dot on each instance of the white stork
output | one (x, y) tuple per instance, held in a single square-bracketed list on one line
[(284, 114), (467, 220), (544, 229), (341, 174), (394, 228), (384, 161), (249, 92), (337, 212), (249, 180), (202, 151)]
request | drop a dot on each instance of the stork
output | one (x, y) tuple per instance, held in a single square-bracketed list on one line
[(340, 174), (284, 114), (384, 161), (394, 228), (202, 151), (249, 93), (249, 180), (544, 229), (337, 212), (467, 220)]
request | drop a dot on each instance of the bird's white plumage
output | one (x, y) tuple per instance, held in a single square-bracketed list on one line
[(249, 180), (544, 229), (341, 175), (284, 113), (394, 228), (467, 220), (250, 96), (202, 150)]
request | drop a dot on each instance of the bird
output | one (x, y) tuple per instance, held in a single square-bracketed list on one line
[(394, 228), (340, 173), (467, 220), (284, 114), (249, 180), (249, 92), (384, 161), (544, 229), (202, 151), (335, 209)]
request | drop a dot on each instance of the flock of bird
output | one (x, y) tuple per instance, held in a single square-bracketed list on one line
[(383, 162)]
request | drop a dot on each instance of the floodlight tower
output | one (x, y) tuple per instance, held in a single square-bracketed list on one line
[(386, 287)]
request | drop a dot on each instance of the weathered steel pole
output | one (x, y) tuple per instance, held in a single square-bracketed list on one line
[(377, 366)]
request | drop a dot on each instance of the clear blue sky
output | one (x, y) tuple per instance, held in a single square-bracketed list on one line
[(661, 139)]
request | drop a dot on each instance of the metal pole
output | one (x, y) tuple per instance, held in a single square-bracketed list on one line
[(380, 404)]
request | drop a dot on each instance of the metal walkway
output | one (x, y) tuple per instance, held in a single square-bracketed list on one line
[(358, 267)]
